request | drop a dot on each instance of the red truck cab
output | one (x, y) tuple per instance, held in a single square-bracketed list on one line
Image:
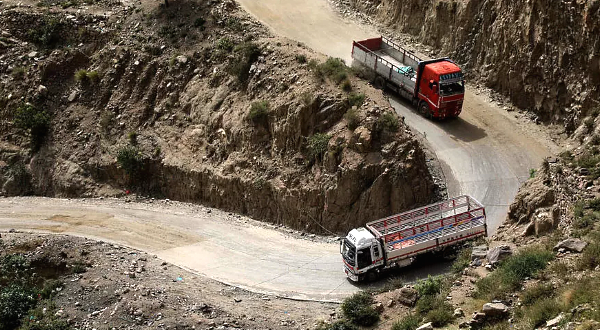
[(441, 88)]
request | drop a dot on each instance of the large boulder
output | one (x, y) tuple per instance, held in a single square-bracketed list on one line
[(499, 253), (494, 309), (407, 296), (479, 252), (571, 244)]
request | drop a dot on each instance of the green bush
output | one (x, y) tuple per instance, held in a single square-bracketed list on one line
[(34, 120), (590, 258), (46, 33), (346, 85), (359, 310), (355, 99), (19, 72), (301, 58), (307, 98), (409, 322), (225, 44), (430, 286), (130, 159), (259, 111), (532, 172), (337, 325), (85, 76), (132, 136), (388, 122), (317, 145), (512, 272), (245, 55), (15, 301), (352, 119), (49, 288), (441, 315), (78, 267), (463, 260), (541, 311), (536, 292)]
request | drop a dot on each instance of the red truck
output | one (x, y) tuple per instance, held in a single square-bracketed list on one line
[(436, 87)]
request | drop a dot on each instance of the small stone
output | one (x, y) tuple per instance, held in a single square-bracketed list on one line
[(459, 312), (378, 308), (182, 59), (42, 90), (72, 96), (390, 303), (426, 326), (555, 321), (32, 54), (237, 300)]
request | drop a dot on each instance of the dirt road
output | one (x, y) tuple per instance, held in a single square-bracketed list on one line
[(222, 246), (486, 153)]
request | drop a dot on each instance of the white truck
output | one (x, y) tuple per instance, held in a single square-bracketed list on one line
[(396, 240)]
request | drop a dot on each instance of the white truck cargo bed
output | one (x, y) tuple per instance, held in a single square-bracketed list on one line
[(430, 227)]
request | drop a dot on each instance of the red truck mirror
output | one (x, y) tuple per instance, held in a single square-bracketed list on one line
[(433, 85)]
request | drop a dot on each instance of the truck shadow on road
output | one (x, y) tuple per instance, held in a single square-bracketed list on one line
[(457, 128), (425, 265)]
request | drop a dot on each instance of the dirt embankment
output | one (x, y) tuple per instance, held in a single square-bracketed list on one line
[(543, 55), (196, 102)]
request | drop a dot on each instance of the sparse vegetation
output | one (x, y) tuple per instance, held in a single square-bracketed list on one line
[(409, 322), (46, 33), (388, 122), (334, 68), (19, 72), (317, 145), (532, 172), (259, 111), (346, 85), (512, 272), (352, 119), (358, 309), (130, 159), (132, 136), (33, 120), (245, 55), (356, 99), (462, 260), (225, 44), (301, 58), (430, 286), (85, 76), (536, 292), (307, 98), (541, 311), (337, 325)]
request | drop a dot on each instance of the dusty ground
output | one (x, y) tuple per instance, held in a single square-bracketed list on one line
[(127, 288)]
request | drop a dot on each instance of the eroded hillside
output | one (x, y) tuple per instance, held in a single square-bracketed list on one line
[(196, 102)]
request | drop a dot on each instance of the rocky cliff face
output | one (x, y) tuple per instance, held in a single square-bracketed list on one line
[(204, 107), (543, 55)]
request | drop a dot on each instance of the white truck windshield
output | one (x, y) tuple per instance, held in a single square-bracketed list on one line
[(348, 252)]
